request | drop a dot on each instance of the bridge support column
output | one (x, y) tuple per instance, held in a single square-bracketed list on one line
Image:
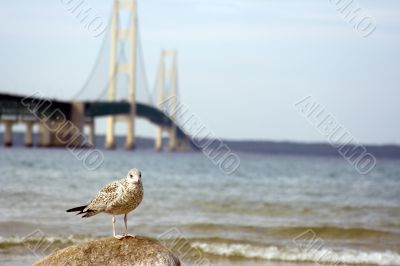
[(78, 120), (8, 139), (110, 134), (45, 136), (184, 144), (29, 134), (130, 135), (168, 73), (118, 33), (92, 133), (158, 141), (172, 139)]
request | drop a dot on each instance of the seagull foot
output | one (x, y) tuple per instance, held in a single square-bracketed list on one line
[(128, 235), (119, 237)]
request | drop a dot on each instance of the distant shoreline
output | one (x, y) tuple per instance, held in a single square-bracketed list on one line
[(307, 149), (257, 147)]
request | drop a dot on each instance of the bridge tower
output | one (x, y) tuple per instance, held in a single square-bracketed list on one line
[(168, 89), (118, 34)]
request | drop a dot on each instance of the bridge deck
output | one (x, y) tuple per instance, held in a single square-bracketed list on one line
[(39, 107)]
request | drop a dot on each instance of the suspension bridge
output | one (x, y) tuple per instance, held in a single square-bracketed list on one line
[(116, 88)]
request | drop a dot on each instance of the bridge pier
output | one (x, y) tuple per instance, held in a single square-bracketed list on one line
[(130, 136), (92, 133), (8, 138), (28, 138), (168, 73), (78, 120), (110, 138), (158, 143), (183, 144), (56, 132), (45, 135), (127, 69), (172, 139)]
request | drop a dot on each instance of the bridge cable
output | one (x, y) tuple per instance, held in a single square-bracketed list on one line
[(98, 58), (143, 65)]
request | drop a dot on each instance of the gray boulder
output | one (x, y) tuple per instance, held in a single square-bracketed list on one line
[(138, 251)]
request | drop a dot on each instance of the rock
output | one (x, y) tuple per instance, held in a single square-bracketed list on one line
[(111, 251)]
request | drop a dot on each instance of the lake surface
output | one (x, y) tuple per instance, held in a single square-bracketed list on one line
[(275, 210)]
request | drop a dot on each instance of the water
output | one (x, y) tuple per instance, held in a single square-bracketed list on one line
[(275, 210)]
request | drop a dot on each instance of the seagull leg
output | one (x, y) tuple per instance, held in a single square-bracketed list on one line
[(113, 224), (126, 226)]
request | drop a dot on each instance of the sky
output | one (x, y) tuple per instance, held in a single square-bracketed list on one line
[(243, 64)]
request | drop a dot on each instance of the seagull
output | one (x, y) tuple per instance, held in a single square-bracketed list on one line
[(117, 198)]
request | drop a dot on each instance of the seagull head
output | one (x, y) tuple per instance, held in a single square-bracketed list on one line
[(134, 176)]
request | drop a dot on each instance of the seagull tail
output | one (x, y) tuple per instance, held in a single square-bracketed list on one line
[(89, 213), (83, 210), (78, 209)]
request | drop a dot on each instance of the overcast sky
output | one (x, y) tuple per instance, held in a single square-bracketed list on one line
[(242, 63)]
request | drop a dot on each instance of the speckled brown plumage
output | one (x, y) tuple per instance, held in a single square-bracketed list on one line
[(117, 198)]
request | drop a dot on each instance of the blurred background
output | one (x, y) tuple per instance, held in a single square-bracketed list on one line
[(287, 129)]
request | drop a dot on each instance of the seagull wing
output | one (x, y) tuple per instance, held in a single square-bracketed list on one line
[(111, 188), (106, 196)]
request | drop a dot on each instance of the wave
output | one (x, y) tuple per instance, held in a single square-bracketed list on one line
[(327, 232), (234, 249), (37, 238), (296, 254)]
